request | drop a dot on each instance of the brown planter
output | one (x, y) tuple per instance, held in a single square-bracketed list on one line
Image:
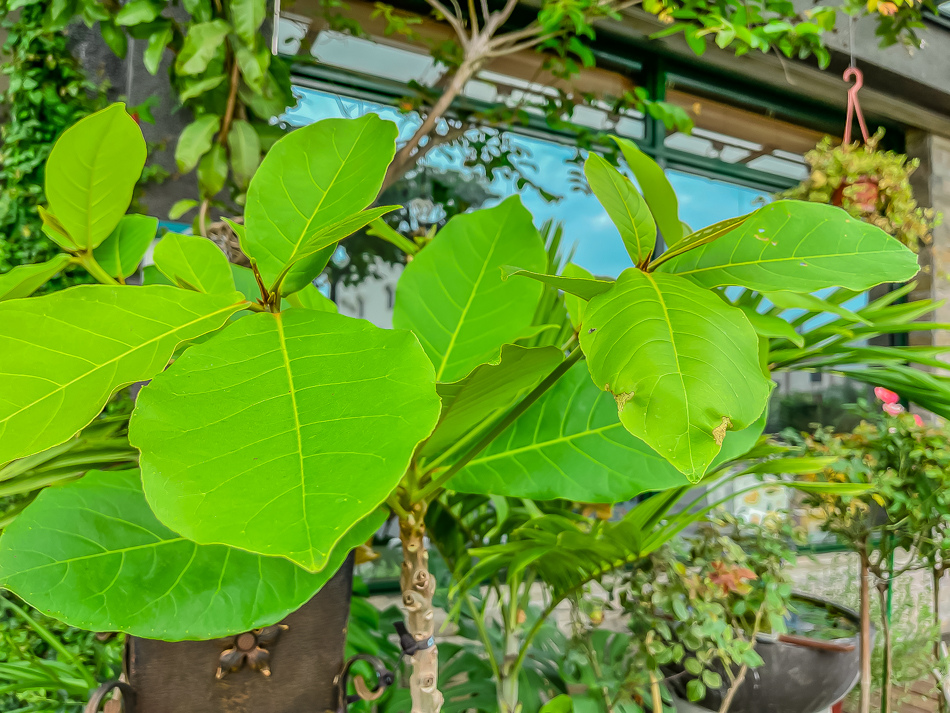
[(297, 665)]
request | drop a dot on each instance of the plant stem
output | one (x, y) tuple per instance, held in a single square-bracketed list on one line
[(655, 693), (418, 588), (737, 681), (886, 659), (936, 573), (95, 269), (865, 705)]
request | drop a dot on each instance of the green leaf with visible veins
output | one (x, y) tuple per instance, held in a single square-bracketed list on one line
[(489, 391), (312, 179), (280, 431), (92, 554), (625, 206), (570, 444), (797, 246), (64, 354), (121, 253), (194, 263), (91, 173), (682, 366), (582, 285), (453, 294), (657, 191), (24, 280)]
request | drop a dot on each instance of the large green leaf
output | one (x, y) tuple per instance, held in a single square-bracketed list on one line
[(91, 172), (312, 179), (657, 191), (800, 247), (63, 355), (488, 392), (24, 280), (570, 444), (700, 237), (625, 206), (682, 365), (195, 263), (120, 253), (283, 429), (453, 294), (93, 554)]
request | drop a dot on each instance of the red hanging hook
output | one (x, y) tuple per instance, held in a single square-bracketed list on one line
[(854, 104)]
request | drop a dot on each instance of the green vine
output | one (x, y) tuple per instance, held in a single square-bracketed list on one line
[(48, 91)]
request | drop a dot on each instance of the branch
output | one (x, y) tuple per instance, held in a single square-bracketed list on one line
[(513, 49), (452, 19), (499, 18)]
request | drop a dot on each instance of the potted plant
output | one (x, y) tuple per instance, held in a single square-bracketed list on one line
[(871, 184), (282, 432), (904, 461)]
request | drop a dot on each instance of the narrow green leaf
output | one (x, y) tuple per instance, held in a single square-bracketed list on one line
[(91, 173), (92, 554), (311, 179), (798, 246), (194, 263), (245, 147), (326, 239), (121, 253), (267, 422), (453, 295), (155, 50), (488, 391), (811, 303), (24, 280), (55, 231), (682, 366), (657, 191), (585, 288), (195, 141), (201, 43), (768, 326), (626, 208), (699, 238), (64, 354), (381, 229)]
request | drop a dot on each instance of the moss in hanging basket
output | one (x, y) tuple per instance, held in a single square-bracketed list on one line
[(870, 184)]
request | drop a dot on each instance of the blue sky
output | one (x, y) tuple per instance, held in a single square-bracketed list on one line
[(703, 201)]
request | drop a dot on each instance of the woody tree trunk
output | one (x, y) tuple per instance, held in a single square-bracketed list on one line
[(418, 588)]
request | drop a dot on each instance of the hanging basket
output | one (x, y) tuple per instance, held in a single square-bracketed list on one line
[(871, 184)]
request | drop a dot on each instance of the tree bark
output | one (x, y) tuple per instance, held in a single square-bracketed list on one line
[(418, 588), (865, 632)]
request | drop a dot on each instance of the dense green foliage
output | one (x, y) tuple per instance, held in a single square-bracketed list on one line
[(48, 92)]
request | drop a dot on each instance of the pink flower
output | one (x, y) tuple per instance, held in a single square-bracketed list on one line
[(918, 420), (886, 395), (893, 409)]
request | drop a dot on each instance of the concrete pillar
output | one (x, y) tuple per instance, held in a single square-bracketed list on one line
[(931, 183)]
